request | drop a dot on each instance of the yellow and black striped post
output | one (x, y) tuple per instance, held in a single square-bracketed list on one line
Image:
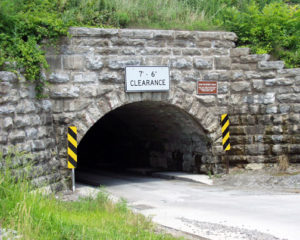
[(72, 152), (72, 147), (225, 137), (225, 132)]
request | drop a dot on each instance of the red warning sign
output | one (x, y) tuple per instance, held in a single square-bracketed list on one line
[(207, 87)]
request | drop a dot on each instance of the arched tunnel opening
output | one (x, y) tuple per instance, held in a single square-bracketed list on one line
[(147, 135)]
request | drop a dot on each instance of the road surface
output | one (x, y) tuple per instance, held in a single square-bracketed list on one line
[(207, 211)]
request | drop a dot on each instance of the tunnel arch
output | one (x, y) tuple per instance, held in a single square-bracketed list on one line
[(191, 104), (146, 134)]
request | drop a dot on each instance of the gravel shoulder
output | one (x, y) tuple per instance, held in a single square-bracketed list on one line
[(264, 179)]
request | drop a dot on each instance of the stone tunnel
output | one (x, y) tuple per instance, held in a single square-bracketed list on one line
[(145, 134), (177, 129)]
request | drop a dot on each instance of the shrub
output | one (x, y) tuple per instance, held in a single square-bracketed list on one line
[(274, 29), (25, 24)]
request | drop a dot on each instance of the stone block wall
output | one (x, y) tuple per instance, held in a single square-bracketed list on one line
[(26, 124), (264, 109), (88, 72), (87, 81), (259, 95)]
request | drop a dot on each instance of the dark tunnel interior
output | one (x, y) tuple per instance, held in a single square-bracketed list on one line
[(145, 134)]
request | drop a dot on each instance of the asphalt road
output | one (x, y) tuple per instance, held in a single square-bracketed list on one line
[(206, 211)]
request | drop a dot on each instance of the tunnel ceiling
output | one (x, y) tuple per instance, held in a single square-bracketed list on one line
[(156, 120)]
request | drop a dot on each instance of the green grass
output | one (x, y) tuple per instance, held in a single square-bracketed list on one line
[(36, 216), (168, 14)]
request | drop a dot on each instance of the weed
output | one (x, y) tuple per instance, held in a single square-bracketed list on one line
[(209, 174), (283, 163), (36, 216)]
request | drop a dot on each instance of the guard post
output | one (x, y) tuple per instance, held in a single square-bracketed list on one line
[(225, 138), (72, 152)]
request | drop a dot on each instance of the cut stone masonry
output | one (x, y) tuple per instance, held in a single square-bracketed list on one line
[(87, 82)]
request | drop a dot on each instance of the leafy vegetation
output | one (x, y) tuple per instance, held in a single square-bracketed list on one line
[(274, 29), (24, 25), (36, 216), (267, 26)]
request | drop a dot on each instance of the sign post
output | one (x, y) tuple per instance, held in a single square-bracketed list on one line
[(72, 152), (225, 138)]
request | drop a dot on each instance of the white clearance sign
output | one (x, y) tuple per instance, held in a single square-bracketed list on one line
[(147, 79)]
